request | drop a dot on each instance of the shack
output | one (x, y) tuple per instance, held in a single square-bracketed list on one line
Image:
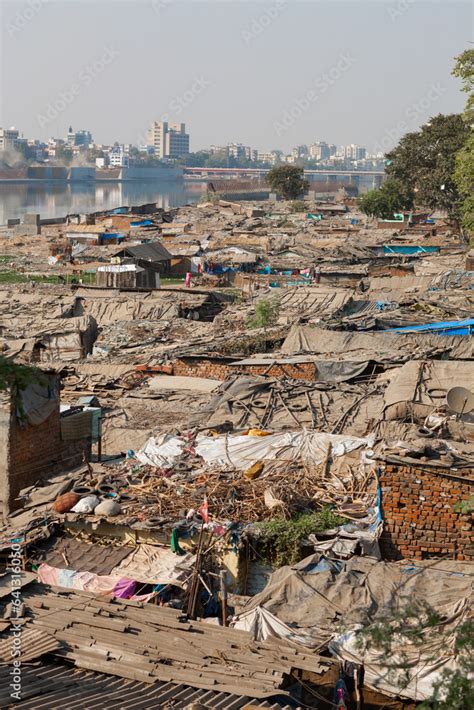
[(127, 276), (149, 256), (92, 234)]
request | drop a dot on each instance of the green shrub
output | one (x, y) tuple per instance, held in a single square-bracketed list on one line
[(280, 540), (266, 313)]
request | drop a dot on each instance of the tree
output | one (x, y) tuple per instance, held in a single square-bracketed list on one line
[(14, 376), (464, 70), (425, 161), (266, 313), (464, 179), (414, 625), (464, 171), (392, 197), (288, 180)]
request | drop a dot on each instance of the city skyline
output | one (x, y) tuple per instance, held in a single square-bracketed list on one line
[(225, 78), (165, 141)]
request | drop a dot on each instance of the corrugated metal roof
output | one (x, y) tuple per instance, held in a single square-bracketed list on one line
[(151, 644), (68, 553), (148, 252), (34, 643), (49, 686)]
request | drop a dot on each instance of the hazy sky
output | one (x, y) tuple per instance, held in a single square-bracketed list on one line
[(268, 74)]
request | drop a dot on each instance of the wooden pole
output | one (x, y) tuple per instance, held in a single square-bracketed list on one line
[(195, 579), (223, 597)]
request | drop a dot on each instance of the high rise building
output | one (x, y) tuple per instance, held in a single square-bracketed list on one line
[(319, 151), (8, 138), (169, 140), (354, 152), (79, 138)]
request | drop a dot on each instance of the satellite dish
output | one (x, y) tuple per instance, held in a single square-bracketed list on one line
[(460, 400)]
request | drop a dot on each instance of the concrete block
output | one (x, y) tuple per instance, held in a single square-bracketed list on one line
[(31, 218)]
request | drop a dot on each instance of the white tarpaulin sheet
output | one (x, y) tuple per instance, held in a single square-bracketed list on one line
[(309, 447), (261, 624), (161, 451)]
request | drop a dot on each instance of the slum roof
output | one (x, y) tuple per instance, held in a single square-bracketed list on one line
[(155, 251), (379, 346), (191, 652), (317, 594), (48, 684), (85, 229)]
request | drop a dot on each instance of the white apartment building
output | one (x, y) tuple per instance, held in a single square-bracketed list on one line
[(118, 157), (268, 157), (8, 138), (354, 152)]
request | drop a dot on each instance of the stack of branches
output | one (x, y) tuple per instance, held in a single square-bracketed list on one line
[(280, 489)]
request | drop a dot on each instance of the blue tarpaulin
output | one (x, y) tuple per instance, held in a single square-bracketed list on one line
[(401, 249), (118, 210), (142, 223), (453, 327)]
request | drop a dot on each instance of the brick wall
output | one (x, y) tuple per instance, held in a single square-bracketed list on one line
[(419, 517), (37, 452), (212, 368), (300, 371), (32, 453), (217, 369)]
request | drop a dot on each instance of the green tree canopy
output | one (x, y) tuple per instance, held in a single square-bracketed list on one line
[(425, 162), (288, 181), (266, 313), (16, 376), (392, 197), (464, 172), (464, 70)]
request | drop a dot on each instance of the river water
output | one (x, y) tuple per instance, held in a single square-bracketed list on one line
[(58, 199)]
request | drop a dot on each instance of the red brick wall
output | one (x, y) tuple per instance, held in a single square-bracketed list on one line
[(419, 516), (214, 369), (38, 452), (302, 371), (219, 370)]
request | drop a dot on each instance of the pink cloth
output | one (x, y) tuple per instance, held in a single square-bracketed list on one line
[(48, 575), (119, 587)]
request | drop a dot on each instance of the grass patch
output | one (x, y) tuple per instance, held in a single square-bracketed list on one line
[(280, 540), (15, 277), (12, 277)]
